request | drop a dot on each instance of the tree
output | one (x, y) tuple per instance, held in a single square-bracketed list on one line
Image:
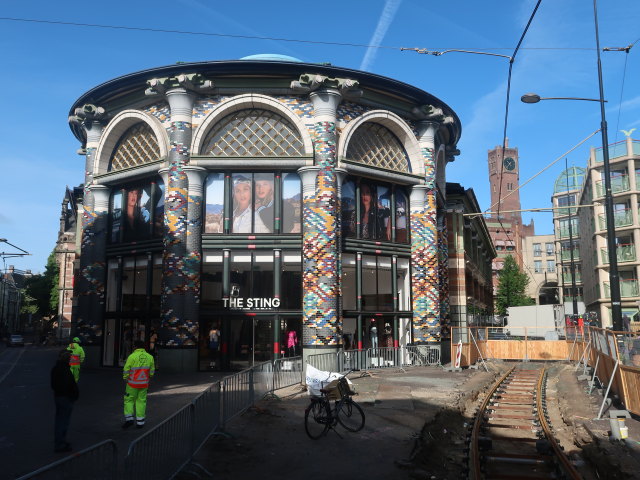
[(41, 291), (512, 286)]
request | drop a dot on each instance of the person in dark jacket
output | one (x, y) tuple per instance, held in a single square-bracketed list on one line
[(65, 393)]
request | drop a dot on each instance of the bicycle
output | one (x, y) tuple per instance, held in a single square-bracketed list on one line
[(320, 416)]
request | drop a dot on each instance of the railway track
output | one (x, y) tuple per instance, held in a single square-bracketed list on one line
[(511, 437)]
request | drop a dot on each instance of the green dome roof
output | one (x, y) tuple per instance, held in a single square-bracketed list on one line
[(273, 57), (570, 179)]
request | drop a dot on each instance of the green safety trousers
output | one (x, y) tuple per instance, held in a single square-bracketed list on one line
[(135, 399), (75, 370)]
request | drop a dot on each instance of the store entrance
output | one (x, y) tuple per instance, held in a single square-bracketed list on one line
[(120, 333)]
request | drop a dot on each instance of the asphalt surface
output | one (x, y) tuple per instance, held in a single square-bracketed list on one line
[(26, 403)]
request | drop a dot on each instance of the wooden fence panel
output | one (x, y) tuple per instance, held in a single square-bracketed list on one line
[(631, 381)]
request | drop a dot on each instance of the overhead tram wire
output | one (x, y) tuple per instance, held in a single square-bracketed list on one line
[(626, 49), (482, 51)]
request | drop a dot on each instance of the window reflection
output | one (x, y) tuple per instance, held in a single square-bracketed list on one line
[(291, 203), (214, 206)]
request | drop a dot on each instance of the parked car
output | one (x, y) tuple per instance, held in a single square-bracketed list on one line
[(16, 341)]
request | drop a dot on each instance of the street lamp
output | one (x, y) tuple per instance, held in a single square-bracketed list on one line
[(614, 280)]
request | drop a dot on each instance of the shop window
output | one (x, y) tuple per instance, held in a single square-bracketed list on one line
[(137, 212), (349, 281), (211, 287), (253, 199), (376, 203), (376, 283), (251, 276), (291, 283)]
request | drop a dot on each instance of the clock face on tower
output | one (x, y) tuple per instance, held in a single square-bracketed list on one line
[(509, 163)]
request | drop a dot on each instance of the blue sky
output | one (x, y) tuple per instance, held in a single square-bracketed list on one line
[(47, 67)]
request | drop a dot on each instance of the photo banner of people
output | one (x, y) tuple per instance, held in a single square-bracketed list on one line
[(132, 211)]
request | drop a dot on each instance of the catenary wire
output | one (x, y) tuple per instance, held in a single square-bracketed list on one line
[(257, 37)]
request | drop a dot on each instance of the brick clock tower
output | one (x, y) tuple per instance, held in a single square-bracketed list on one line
[(507, 230)]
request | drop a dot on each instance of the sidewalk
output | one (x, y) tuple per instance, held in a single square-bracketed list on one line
[(27, 444)]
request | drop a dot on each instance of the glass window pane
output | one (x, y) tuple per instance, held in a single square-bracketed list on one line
[(156, 284), (262, 276), (116, 216), (212, 280), (241, 275), (214, 206), (128, 283), (137, 214), (348, 201), (404, 285), (369, 283), (348, 281), (140, 284), (383, 220), (385, 295), (291, 295), (368, 211), (242, 201), (402, 235), (263, 203), (291, 203), (112, 286)]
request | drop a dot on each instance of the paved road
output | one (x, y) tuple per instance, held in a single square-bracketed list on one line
[(26, 403)]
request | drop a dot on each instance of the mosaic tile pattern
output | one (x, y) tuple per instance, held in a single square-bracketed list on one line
[(443, 283), (192, 262), (302, 107), (424, 261), (91, 287), (204, 105), (161, 111), (348, 111), (320, 248), (175, 330)]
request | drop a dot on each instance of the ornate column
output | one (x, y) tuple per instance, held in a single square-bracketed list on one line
[(193, 259), (443, 275), (424, 246), (90, 287)]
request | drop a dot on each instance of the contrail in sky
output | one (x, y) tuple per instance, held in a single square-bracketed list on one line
[(389, 11)]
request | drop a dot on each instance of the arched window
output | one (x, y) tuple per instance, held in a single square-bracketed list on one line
[(254, 132), (137, 146), (377, 146)]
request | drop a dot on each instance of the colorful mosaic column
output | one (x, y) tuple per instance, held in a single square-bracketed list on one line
[(320, 231), (175, 329), (91, 279), (196, 177), (424, 246)]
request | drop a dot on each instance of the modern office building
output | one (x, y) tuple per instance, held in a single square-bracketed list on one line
[(625, 188), (237, 211), (471, 254), (539, 263), (566, 225), (506, 227)]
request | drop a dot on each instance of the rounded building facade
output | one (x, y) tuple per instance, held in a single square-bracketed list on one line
[(240, 211)]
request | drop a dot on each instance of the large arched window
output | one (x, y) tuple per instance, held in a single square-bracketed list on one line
[(375, 145), (254, 132), (137, 146)]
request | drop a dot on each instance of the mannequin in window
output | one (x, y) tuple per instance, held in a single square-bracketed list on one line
[(264, 201), (388, 337), (292, 342), (373, 334), (214, 345)]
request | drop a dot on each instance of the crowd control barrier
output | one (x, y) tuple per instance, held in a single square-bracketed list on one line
[(99, 462)]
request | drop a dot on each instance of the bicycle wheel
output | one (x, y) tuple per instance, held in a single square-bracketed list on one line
[(316, 419), (350, 415)]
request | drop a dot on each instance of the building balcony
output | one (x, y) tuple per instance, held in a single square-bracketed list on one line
[(616, 150), (618, 185), (569, 298), (624, 253), (566, 211), (566, 277), (564, 232), (565, 255), (621, 218), (628, 288)]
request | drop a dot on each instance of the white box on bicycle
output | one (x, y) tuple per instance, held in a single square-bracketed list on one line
[(318, 379)]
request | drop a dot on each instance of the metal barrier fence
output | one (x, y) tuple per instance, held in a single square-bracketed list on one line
[(142, 460), (286, 372), (98, 462), (187, 430)]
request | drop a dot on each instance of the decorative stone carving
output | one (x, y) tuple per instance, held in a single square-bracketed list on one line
[(193, 82)]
